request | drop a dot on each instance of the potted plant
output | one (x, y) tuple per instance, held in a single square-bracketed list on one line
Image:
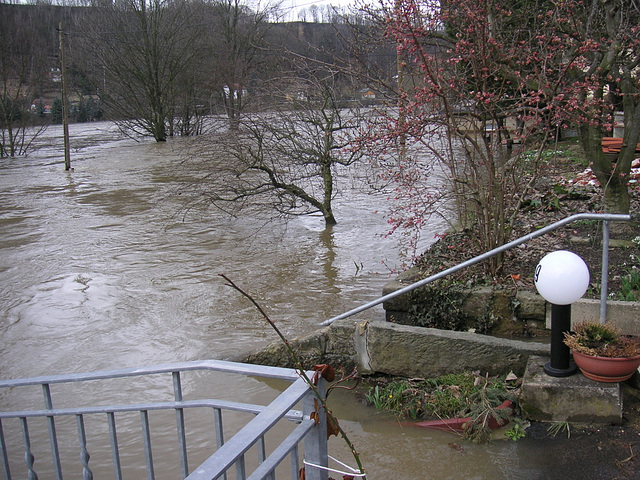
[(602, 353)]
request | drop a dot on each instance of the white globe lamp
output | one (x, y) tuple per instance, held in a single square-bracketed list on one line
[(561, 278)]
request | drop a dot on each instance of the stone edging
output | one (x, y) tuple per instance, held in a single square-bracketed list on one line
[(532, 312), (380, 347)]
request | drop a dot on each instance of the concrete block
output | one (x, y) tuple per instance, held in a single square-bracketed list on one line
[(574, 399), (408, 351), (626, 315)]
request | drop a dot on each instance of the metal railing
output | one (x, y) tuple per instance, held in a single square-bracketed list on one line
[(246, 450), (603, 217)]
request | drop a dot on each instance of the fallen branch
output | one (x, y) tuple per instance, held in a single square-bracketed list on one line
[(325, 371)]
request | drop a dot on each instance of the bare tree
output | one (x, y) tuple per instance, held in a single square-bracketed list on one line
[(288, 159), (142, 54), (315, 13), (238, 49), (23, 68)]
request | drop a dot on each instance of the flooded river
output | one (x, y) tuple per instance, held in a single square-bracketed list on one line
[(102, 259), (100, 269)]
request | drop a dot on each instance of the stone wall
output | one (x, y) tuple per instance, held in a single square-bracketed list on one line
[(402, 350), (512, 312), (504, 311), (334, 345), (375, 346), (380, 347)]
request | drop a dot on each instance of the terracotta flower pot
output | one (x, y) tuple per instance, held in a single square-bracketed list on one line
[(606, 369)]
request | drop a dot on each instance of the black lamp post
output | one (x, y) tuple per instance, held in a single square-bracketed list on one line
[(561, 278), (560, 364)]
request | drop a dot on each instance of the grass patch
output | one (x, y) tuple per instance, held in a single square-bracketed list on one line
[(448, 396), (630, 286)]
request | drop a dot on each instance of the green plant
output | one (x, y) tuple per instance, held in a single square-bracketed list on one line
[(373, 397), (602, 340), (447, 396), (516, 432), (630, 286), (439, 306), (556, 427), (412, 399), (394, 397), (483, 410)]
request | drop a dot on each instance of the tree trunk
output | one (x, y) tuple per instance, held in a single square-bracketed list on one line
[(160, 131), (612, 180), (616, 196), (329, 219)]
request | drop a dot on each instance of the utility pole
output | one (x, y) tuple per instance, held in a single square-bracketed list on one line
[(65, 108)]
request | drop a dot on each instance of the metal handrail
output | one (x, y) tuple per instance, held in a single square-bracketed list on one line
[(604, 217), (233, 451), (311, 428), (213, 365)]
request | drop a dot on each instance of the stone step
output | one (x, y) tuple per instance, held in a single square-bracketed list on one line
[(574, 399)]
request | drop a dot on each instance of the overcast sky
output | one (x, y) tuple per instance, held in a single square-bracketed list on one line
[(296, 5)]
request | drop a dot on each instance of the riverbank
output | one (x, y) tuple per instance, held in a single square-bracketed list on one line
[(601, 452), (566, 188), (572, 451), (586, 452)]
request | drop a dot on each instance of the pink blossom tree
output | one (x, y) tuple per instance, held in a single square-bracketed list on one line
[(482, 83), (596, 63)]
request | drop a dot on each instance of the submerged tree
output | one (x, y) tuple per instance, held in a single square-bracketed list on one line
[(142, 53), (286, 160)]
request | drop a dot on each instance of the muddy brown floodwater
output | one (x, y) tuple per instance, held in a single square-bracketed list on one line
[(97, 271)]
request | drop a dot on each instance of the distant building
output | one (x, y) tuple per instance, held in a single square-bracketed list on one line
[(55, 75), (42, 105), (367, 94)]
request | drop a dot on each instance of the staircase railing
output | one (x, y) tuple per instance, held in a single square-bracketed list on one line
[(604, 217)]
